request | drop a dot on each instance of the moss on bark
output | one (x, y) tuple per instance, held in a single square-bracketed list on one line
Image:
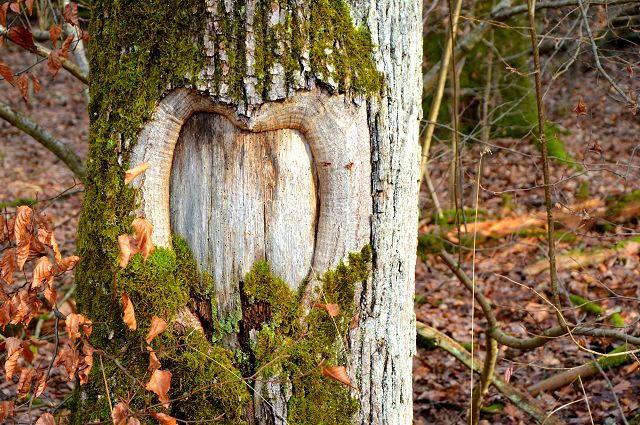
[(138, 52)]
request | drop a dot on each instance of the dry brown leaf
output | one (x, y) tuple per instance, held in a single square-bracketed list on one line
[(23, 85), (68, 358), (46, 419), (339, 373), (157, 327), (581, 109), (73, 322), (67, 263), (54, 34), (134, 172), (22, 37), (6, 409), (53, 63), (8, 264), (50, 295), (36, 83), (29, 4), (332, 309), (41, 272), (120, 413), (70, 13), (143, 229), (66, 45), (154, 363), (129, 315), (133, 421), (25, 381), (14, 350), (41, 384), (160, 383), (6, 73), (128, 248), (22, 226), (164, 419), (85, 362), (22, 254)]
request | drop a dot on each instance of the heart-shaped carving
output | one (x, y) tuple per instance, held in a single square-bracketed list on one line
[(238, 197), (337, 136)]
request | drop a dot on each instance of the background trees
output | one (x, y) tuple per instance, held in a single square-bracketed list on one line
[(592, 163)]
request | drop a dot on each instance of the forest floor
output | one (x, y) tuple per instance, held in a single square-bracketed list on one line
[(603, 145)]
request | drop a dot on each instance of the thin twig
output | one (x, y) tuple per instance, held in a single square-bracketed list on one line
[(518, 398), (59, 148), (596, 57), (545, 163)]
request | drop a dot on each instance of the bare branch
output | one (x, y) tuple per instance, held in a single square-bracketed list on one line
[(505, 13), (518, 398), (596, 56), (42, 136)]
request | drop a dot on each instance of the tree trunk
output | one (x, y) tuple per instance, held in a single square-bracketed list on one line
[(277, 132)]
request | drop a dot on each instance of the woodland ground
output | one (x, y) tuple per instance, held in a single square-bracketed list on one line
[(603, 143)]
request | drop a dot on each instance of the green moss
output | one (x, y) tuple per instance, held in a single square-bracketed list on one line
[(208, 380), (285, 348), (586, 305), (429, 243), (156, 287), (325, 46), (617, 320), (137, 50)]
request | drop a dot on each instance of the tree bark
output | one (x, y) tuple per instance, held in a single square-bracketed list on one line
[(293, 139)]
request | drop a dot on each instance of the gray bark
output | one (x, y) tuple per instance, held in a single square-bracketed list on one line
[(301, 179)]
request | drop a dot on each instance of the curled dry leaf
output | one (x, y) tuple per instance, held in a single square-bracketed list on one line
[(22, 254), (53, 63), (581, 109), (85, 362), (67, 263), (41, 384), (26, 379), (8, 264), (22, 226), (154, 363), (339, 373), (21, 36), (6, 409), (14, 351), (68, 358), (143, 230), (128, 248), (46, 419), (29, 4), (120, 413), (160, 383), (164, 419), (42, 272), (73, 323), (332, 309), (66, 45), (129, 315), (6, 73), (134, 172), (157, 327), (54, 34), (70, 13), (133, 421), (23, 85), (35, 82)]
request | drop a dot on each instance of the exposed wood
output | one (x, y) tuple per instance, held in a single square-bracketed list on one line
[(239, 197)]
